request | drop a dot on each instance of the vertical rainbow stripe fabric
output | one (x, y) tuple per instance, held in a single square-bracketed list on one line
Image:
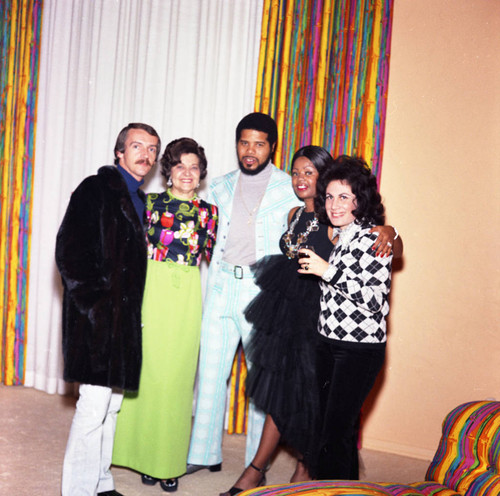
[(238, 401), (20, 31), (323, 75)]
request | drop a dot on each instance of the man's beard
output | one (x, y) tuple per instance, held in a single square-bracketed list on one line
[(254, 172)]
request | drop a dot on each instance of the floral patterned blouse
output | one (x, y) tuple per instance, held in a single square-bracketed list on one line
[(180, 230)]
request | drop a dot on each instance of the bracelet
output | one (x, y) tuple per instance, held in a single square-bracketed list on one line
[(397, 234)]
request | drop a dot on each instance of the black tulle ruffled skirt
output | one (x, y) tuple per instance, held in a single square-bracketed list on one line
[(281, 380)]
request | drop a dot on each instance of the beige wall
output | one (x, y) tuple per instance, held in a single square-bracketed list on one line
[(440, 183)]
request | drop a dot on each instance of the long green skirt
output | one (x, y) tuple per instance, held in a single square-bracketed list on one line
[(154, 425)]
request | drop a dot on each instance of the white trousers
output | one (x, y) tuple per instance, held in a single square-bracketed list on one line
[(86, 469)]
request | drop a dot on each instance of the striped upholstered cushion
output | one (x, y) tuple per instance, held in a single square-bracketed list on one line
[(350, 488), (468, 456), (466, 463)]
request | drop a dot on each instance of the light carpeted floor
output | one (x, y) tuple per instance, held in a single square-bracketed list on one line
[(33, 431)]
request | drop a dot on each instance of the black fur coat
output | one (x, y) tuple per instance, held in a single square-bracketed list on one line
[(101, 253)]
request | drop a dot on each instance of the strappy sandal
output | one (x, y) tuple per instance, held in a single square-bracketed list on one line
[(236, 490)]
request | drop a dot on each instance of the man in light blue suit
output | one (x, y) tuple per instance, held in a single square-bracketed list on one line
[(253, 202)]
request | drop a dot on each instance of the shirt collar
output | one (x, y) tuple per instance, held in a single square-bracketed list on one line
[(132, 183)]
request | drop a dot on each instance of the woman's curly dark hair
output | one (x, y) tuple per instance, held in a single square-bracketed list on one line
[(355, 172), (173, 152)]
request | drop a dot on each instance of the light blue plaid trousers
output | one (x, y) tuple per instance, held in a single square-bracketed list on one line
[(222, 328)]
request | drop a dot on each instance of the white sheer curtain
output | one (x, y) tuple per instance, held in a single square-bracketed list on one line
[(186, 67)]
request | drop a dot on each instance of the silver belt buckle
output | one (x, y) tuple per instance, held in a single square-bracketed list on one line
[(238, 272)]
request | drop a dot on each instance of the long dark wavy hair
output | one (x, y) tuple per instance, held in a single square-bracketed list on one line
[(355, 172)]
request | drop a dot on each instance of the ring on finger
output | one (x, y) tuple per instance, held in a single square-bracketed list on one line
[(389, 243)]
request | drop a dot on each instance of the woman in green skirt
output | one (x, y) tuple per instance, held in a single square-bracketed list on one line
[(154, 425)]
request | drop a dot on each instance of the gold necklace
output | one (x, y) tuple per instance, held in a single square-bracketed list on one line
[(254, 209)]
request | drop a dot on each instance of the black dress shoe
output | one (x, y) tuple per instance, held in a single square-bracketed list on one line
[(170, 485), (191, 468), (110, 493), (148, 480)]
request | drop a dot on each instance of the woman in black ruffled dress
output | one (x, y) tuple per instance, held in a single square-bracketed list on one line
[(281, 379), (284, 315)]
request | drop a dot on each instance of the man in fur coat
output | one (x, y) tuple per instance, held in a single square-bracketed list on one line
[(101, 254)]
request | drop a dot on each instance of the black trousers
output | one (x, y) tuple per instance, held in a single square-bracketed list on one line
[(345, 378)]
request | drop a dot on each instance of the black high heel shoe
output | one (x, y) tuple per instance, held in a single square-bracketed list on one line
[(236, 490)]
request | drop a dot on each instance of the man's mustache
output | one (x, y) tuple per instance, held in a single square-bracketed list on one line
[(144, 161)]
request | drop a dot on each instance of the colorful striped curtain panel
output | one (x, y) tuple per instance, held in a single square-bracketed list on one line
[(323, 72), (20, 29), (323, 75)]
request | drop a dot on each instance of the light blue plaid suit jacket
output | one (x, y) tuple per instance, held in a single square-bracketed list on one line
[(271, 220)]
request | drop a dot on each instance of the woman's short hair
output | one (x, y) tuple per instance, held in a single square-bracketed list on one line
[(173, 152), (355, 172), (318, 156)]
